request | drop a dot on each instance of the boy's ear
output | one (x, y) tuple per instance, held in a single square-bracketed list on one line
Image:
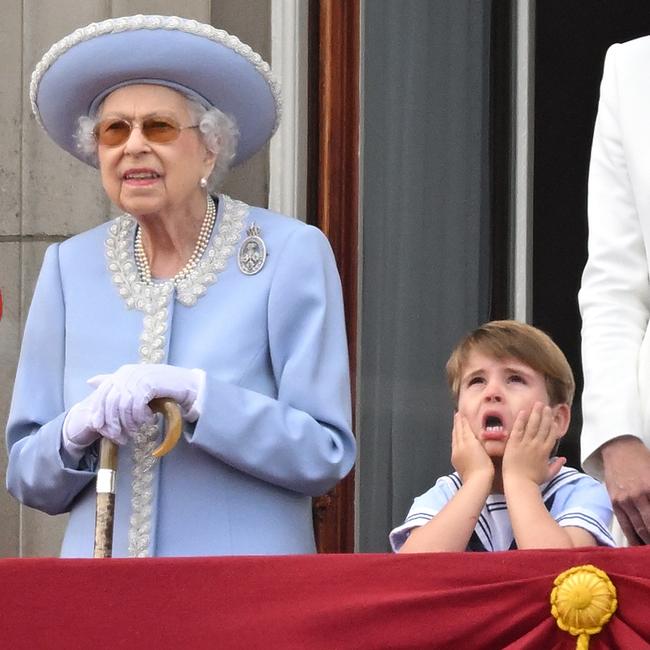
[(562, 417)]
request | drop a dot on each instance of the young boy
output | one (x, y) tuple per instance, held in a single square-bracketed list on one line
[(513, 388)]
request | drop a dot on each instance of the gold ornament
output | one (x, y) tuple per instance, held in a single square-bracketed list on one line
[(582, 602)]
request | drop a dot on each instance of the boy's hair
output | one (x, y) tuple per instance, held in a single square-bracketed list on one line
[(501, 339)]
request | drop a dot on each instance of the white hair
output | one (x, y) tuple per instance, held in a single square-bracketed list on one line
[(219, 134)]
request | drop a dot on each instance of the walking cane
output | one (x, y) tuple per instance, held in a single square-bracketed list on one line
[(105, 509)]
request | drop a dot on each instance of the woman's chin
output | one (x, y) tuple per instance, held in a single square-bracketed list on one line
[(140, 202)]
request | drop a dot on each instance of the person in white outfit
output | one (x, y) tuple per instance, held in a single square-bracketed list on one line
[(615, 294)]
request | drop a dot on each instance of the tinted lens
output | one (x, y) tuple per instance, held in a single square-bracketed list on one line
[(112, 132), (158, 129)]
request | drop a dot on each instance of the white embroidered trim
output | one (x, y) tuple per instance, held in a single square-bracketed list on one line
[(153, 301), (132, 23)]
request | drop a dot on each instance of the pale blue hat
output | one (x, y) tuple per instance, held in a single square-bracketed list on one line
[(216, 68)]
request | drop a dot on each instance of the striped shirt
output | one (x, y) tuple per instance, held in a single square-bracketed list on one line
[(571, 497)]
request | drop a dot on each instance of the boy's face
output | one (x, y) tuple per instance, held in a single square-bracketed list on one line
[(492, 393)]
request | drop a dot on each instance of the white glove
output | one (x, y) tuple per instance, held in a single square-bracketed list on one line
[(82, 424), (130, 389)]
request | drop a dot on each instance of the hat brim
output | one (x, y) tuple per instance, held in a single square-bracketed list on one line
[(215, 66)]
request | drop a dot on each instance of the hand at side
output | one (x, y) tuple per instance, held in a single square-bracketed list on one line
[(627, 476)]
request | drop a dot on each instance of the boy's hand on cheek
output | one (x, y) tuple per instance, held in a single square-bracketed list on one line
[(468, 457), (528, 448)]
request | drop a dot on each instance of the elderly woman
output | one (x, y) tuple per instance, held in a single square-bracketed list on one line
[(234, 312)]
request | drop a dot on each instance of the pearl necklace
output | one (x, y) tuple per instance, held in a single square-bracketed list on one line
[(142, 263)]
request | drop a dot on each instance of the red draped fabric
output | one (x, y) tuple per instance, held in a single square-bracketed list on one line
[(322, 602)]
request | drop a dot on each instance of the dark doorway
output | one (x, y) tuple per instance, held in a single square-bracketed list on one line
[(572, 37)]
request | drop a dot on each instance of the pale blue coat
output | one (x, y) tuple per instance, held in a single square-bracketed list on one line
[(275, 426)]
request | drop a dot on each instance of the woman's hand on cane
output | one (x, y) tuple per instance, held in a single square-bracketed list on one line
[(129, 390)]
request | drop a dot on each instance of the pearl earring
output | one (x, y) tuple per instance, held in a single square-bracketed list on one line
[(203, 183)]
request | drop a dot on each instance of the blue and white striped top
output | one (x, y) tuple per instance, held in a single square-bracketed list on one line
[(572, 498)]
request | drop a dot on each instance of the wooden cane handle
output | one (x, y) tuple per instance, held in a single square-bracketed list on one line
[(170, 410)]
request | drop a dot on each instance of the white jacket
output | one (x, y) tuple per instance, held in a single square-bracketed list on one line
[(615, 294)]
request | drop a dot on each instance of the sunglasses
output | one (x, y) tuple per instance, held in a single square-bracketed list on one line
[(115, 131)]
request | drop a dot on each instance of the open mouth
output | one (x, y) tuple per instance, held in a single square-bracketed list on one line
[(493, 423), (139, 176)]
